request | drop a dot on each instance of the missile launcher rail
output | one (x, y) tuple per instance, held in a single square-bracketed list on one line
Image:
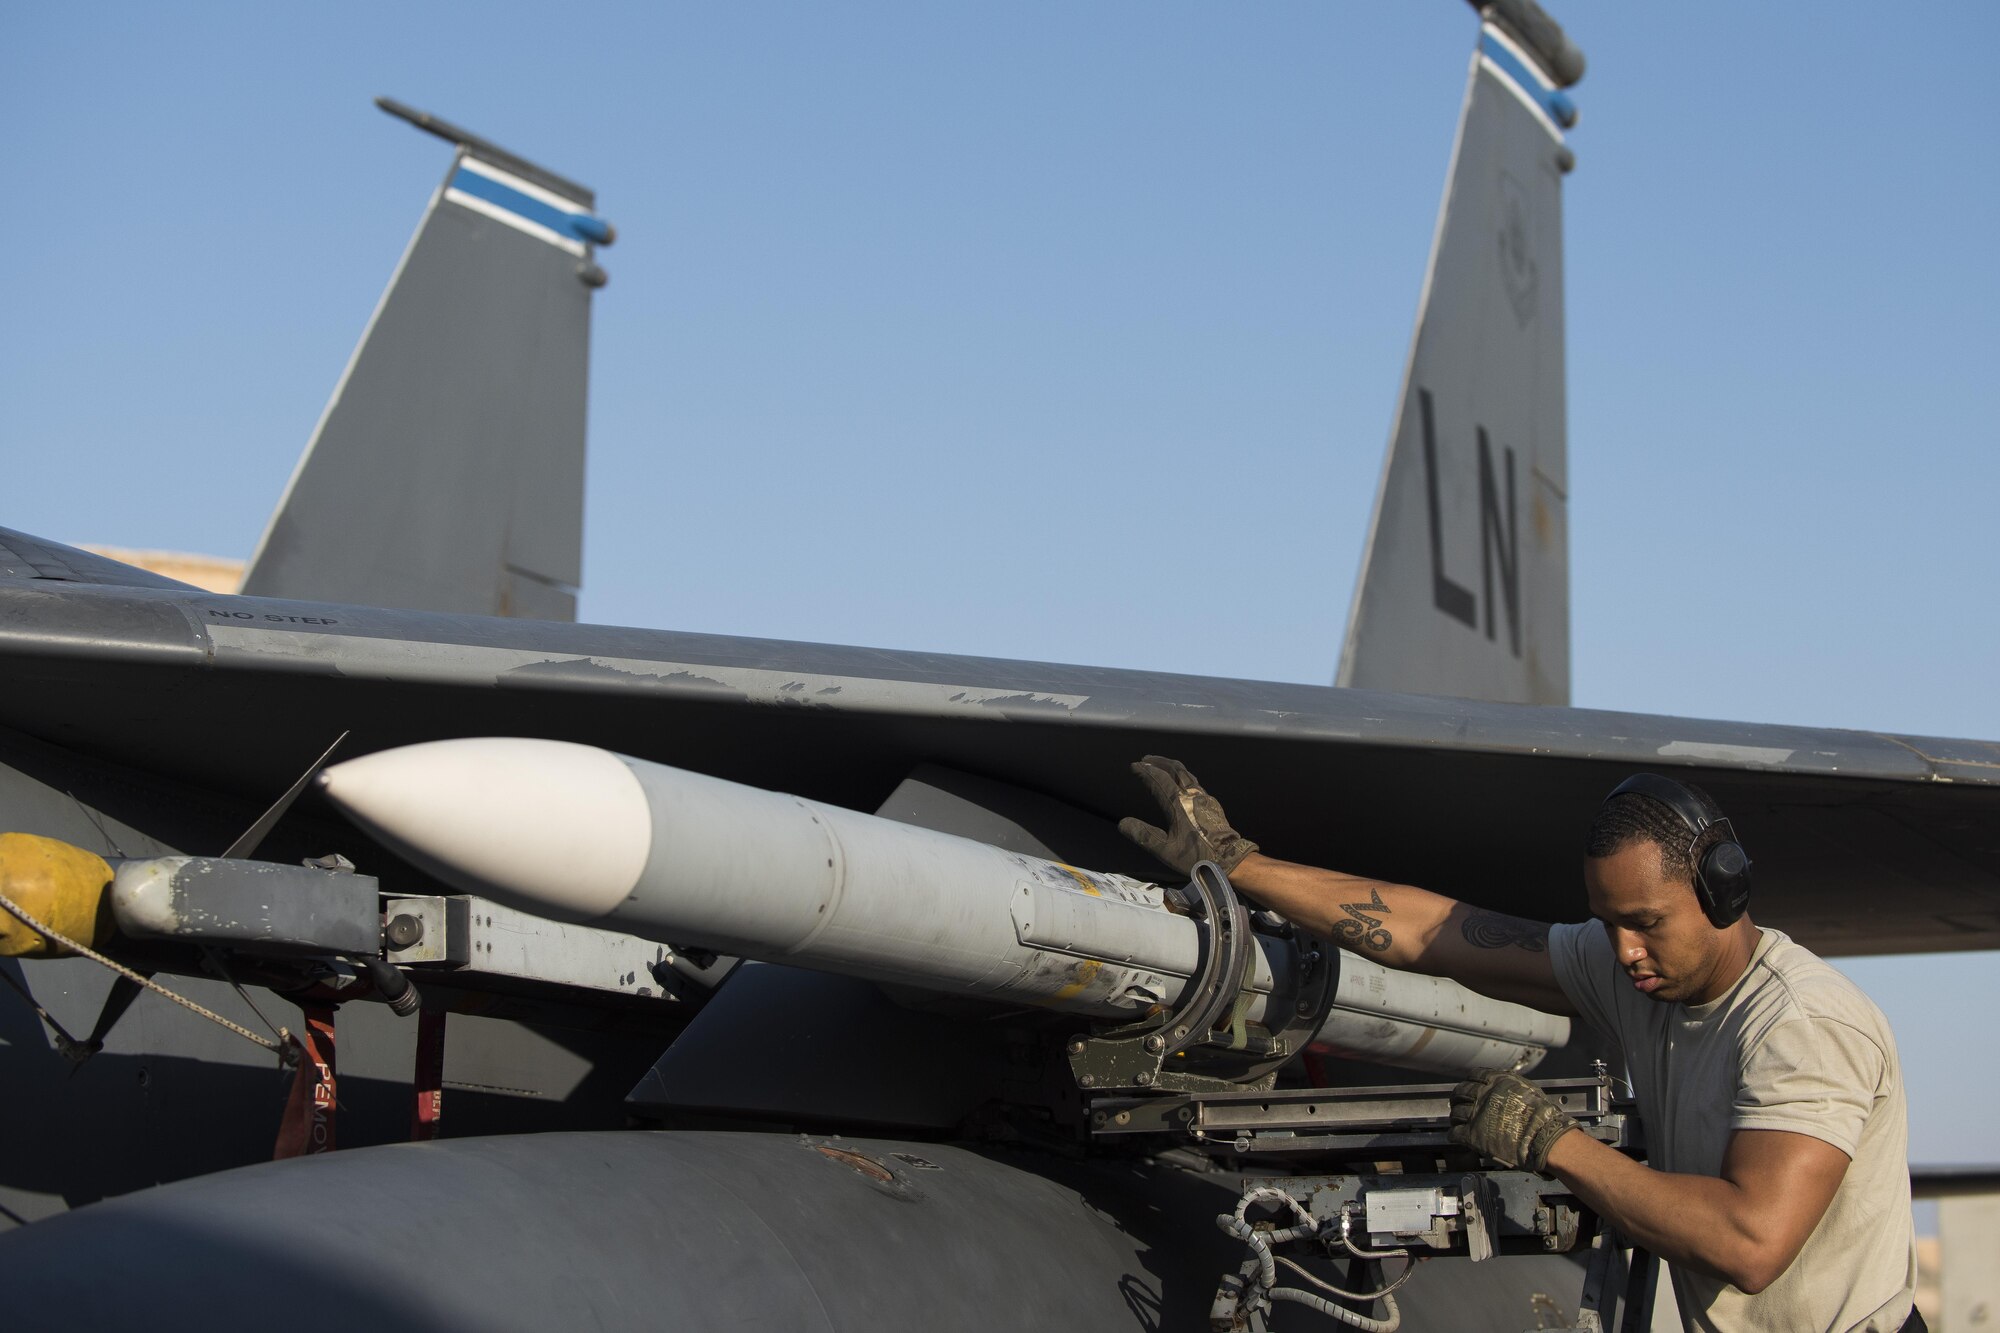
[(180, 913), (473, 943), (1347, 1123)]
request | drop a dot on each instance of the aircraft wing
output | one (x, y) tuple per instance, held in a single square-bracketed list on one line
[(26, 557), (1864, 843)]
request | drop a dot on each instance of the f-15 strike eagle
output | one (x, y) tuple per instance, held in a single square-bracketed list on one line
[(976, 1068)]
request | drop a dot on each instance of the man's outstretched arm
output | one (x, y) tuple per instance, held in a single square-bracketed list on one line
[(1399, 924)]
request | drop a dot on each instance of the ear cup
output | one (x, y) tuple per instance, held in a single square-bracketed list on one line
[(1722, 881), (1722, 876)]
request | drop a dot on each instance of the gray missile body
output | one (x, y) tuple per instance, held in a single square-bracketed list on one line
[(581, 834)]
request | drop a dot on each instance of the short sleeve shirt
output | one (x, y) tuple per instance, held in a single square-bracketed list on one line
[(1792, 1046)]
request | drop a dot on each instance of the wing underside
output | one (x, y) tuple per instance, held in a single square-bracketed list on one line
[(1864, 842)]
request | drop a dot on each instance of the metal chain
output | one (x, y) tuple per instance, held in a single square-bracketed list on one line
[(284, 1047)]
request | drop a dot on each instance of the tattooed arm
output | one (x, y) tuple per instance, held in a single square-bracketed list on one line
[(1404, 926)]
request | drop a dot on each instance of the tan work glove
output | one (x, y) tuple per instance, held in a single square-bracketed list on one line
[(1505, 1117), (1196, 830)]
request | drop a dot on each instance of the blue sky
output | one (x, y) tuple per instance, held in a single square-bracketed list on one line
[(943, 326)]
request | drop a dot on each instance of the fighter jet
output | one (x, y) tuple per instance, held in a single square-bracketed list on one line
[(895, 1116)]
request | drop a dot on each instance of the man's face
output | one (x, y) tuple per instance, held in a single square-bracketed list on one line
[(1659, 934)]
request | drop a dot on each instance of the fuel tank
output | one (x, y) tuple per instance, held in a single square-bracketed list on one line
[(670, 1229)]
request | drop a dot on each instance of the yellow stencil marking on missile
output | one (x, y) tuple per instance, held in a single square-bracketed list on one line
[(1082, 879), (59, 885), (1086, 972)]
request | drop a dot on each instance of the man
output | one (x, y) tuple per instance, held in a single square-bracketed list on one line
[(1768, 1084)]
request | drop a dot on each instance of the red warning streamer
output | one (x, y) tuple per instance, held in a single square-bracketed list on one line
[(309, 1112)]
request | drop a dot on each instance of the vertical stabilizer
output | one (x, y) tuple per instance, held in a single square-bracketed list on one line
[(1464, 587), (446, 473)]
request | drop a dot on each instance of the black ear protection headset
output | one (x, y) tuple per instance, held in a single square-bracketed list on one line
[(1722, 875)]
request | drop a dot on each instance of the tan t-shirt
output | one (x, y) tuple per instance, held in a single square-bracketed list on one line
[(1796, 1046)]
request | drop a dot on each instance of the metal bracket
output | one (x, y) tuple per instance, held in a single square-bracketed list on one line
[(1135, 1056), (1618, 1286), (1226, 943), (1479, 1213), (480, 944), (1334, 1123), (1210, 1053)]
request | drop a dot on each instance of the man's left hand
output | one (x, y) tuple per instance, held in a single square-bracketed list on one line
[(1196, 829), (1505, 1117)]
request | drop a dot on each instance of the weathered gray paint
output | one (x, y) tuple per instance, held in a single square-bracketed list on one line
[(26, 557), (263, 908), (691, 1229), (447, 470), (172, 1095), (1483, 392)]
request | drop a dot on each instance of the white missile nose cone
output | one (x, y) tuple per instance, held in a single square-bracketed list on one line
[(554, 828)]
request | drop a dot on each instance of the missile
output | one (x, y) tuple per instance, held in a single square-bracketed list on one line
[(580, 834)]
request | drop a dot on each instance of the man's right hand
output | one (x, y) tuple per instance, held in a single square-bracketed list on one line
[(1196, 830), (1503, 1116)]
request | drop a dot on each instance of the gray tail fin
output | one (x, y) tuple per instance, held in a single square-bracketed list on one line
[(1464, 587), (446, 473)]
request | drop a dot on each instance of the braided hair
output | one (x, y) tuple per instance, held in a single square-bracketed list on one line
[(1631, 817)]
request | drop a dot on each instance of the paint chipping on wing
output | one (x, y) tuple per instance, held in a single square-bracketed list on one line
[(1066, 703), (583, 669), (790, 688), (1724, 753)]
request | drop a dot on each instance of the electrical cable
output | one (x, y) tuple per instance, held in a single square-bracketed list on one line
[(1344, 1294), (1264, 1290), (1388, 1324)]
